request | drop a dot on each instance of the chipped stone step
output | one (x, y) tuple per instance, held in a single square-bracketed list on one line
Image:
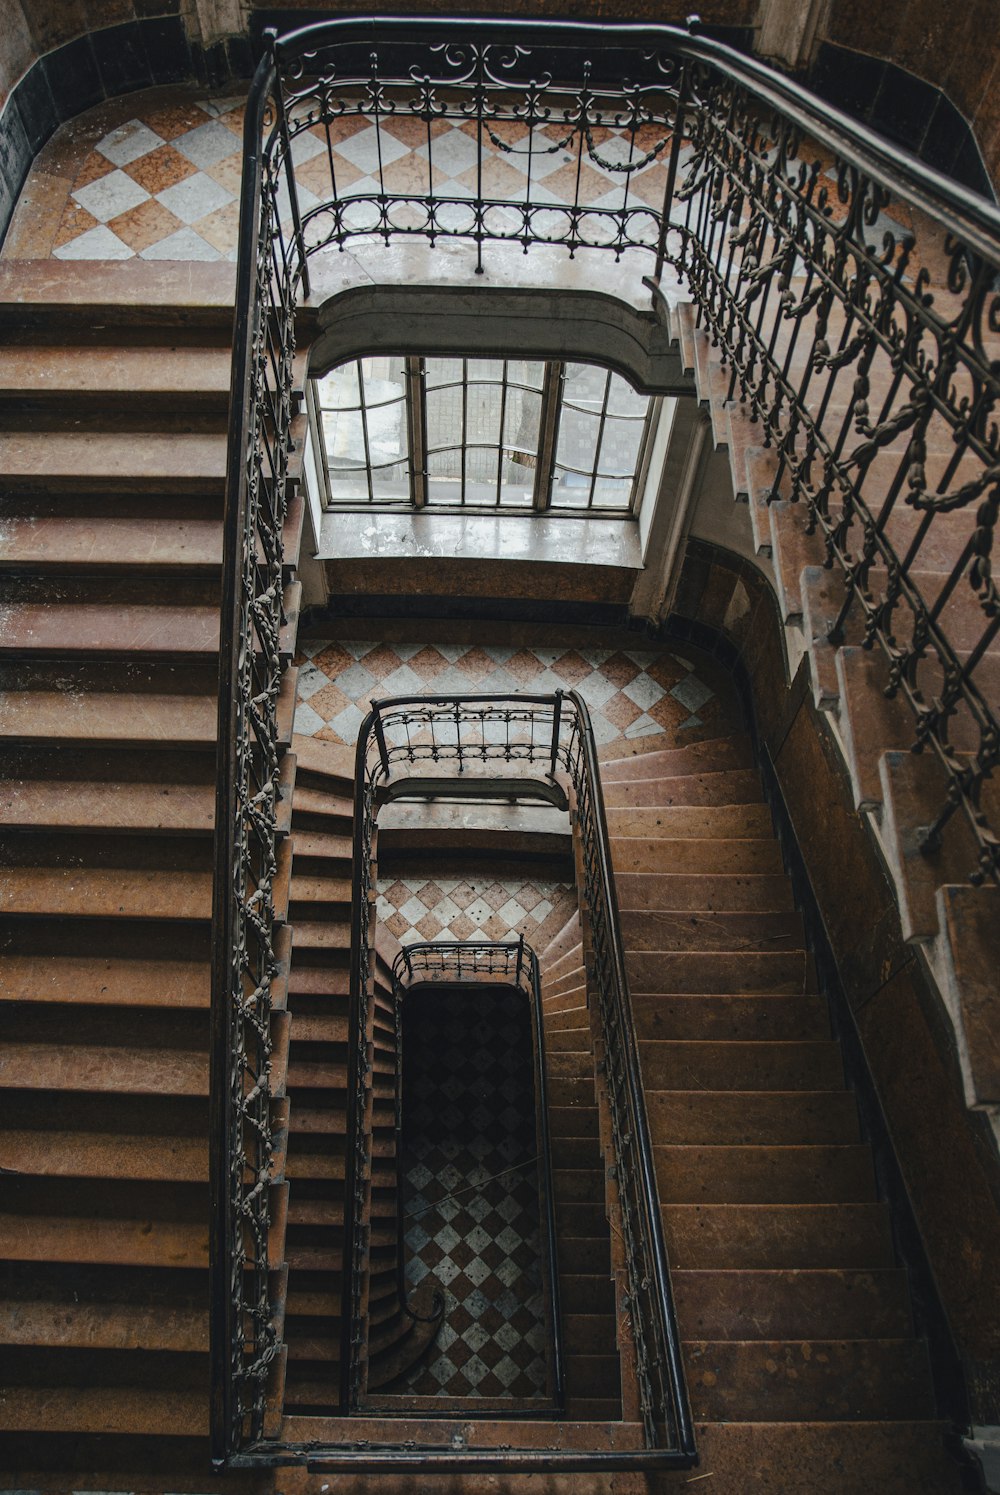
[(760, 1118), (127, 720), (569, 1064), (65, 1324), (743, 1065), (703, 1017), (157, 378), (792, 551), (708, 930), (737, 1237), (761, 465), (105, 981), (734, 786), (715, 755), (719, 1305), (566, 1019), (67, 544), (65, 630), (699, 1174), (771, 893), (331, 812), (565, 999), (561, 965), (321, 853), (722, 972), (138, 298), (838, 1380), (694, 855), (717, 822), (583, 1255), (122, 1242), (106, 462), (103, 1069), (96, 1155), (109, 1410), (743, 434), (573, 1121), (914, 790), (331, 894), (104, 892), (68, 805)]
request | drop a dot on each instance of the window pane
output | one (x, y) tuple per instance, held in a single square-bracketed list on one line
[(378, 385), (578, 433), (620, 447), (444, 477), (438, 371), (624, 400), (484, 414)]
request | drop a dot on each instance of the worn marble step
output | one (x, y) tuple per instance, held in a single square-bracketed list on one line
[(105, 892), (111, 461), (741, 1065), (114, 1242), (710, 930), (737, 1237), (722, 971), (735, 786), (711, 821), (68, 805), (768, 893), (107, 1410), (715, 755), (799, 1305), (640, 854), (63, 1323), (567, 998), (690, 1174), (567, 1019), (156, 377), (112, 981), (79, 718), (711, 1017), (752, 1117), (96, 1155), (779, 1381)]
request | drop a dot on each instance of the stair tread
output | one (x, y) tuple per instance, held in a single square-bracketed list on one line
[(56, 804), (73, 628), (99, 1068), (115, 542), (139, 983), (103, 892)]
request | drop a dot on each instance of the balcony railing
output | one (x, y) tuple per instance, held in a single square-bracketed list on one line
[(850, 291)]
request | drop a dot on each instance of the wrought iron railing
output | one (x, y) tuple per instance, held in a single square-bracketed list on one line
[(536, 740), (849, 289), (512, 963)]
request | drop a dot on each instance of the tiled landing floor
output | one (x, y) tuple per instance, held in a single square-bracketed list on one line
[(631, 692), (474, 908), (471, 1193)]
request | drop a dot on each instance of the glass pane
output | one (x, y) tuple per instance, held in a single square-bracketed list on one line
[(339, 389), (578, 433), (532, 374), (444, 417), (485, 369), (624, 400), (570, 490), (612, 493), (521, 422), (444, 477), (584, 385), (438, 371), (620, 447), (484, 414)]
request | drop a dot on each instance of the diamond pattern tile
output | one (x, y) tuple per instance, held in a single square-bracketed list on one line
[(470, 1193)]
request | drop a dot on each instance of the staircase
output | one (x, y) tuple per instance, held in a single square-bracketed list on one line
[(110, 557), (896, 791), (797, 1332)]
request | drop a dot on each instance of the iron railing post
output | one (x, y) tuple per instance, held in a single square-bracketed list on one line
[(271, 43)]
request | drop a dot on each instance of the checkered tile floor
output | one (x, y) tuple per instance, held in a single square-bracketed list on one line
[(630, 692), (483, 908), (470, 1193)]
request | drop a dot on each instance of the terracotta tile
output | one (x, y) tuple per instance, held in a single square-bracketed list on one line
[(397, 894), (174, 120), (477, 664), (524, 666), (329, 702), (144, 225), (381, 661), (93, 168), (666, 671), (233, 120), (159, 169), (570, 667), (333, 661), (396, 924), (585, 188), (463, 895), (620, 711), (341, 128), (228, 173), (74, 222), (408, 176), (428, 662), (620, 670), (221, 228), (669, 712), (412, 130), (461, 927), (429, 926), (495, 895)]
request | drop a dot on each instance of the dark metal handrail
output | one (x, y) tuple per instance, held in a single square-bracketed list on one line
[(515, 964), (872, 371), (542, 737)]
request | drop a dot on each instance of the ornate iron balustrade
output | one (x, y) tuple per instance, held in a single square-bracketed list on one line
[(850, 292), (408, 743), (511, 963)]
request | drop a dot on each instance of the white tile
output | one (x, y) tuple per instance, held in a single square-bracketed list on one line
[(692, 692), (110, 195), (512, 912), (362, 150), (643, 726), (220, 106), (644, 691), (128, 142), (307, 721), (306, 146), (453, 152), (358, 647), (185, 244), (347, 722), (310, 681), (413, 910), (313, 646), (96, 244), (357, 682), (207, 144), (446, 910), (452, 652), (596, 689), (542, 910), (194, 197), (402, 682), (604, 731)]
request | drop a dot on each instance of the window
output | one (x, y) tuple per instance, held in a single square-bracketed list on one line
[(480, 435)]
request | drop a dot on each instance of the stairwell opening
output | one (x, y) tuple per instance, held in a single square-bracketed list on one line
[(472, 1184)]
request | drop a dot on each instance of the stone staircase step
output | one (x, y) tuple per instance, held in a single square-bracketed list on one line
[(743, 1065), (716, 755), (723, 972), (741, 1237), (726, 892), (761, 1118), (714, 821), (840, 1174), (70, 805), (709, 930), (796, 1305), (639, 854), (112, 462), (164, 378), (114, 982), (710, 1018), (736, 786)]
